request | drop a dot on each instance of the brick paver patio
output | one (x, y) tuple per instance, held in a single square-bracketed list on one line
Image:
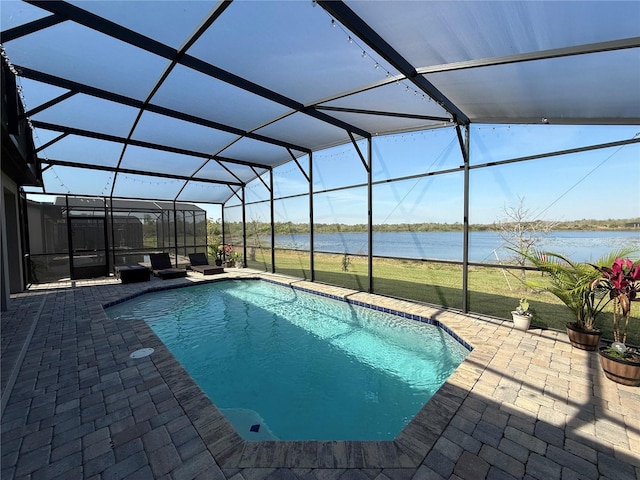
[(75, 405)]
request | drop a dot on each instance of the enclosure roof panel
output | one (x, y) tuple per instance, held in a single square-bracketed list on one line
[(125, 204), (290, 48), (439, 33), (192, 100), (562, 90), (209, 98), (152, 18), (84, 150), (199, 192), (91, 58)]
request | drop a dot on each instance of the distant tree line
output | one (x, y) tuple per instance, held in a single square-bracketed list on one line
[(289, 228)]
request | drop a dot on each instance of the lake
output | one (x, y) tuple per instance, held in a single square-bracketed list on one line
[(581, 246)]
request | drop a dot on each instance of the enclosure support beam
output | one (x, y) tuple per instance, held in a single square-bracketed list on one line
[(69, 237), (366, 162), (343, 13), (557, 153), (311, 236), (624, 43), (370, 213), (206, 234), (293, 157), (105, 208), (138, 143), (162, 227), (27, 72), (44, 106), (23, 215), (113, 234), (175, 232), (273, 225), (464, 147), (104, 168), (223, 229), (31, 27), (244, 225)]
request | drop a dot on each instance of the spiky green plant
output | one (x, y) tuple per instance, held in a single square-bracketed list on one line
[(571, 282)]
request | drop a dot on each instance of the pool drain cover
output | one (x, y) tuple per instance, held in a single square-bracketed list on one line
[(143, 352)]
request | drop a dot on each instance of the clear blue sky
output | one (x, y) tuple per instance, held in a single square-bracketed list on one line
[(598, 184)]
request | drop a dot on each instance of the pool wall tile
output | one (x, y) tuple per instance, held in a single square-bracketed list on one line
[(386, 310), (357, 303)]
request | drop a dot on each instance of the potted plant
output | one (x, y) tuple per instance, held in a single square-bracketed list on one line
[(225, 253), (522, 316), (622, 282), (234, 259), (214, 251), (571, 282)]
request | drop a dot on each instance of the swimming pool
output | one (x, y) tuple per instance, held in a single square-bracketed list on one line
[(286, 364)]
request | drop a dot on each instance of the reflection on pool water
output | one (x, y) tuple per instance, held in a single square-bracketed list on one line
[(286, 364)]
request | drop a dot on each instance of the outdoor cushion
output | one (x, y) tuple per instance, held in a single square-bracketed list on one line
[(198, 259), (207, 269), (161, 266), (200, 264)]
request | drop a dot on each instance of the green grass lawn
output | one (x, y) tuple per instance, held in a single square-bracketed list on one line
[(492, 291)]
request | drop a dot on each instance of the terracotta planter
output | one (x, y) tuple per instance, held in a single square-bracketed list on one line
[(582, 339), (624, 372)]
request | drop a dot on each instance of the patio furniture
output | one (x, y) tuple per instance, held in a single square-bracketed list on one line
[(161, 266), (132, 273), (200, 264)]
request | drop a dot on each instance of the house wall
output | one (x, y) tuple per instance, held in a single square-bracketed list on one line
[(4, 267), (11, 253)]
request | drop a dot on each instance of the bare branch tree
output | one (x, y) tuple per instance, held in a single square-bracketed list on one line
[(520, 232)]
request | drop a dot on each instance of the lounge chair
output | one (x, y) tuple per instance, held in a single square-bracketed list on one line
[(161, 266), (200, 264)]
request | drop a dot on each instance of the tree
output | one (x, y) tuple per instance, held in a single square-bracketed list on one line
[(520, 232), (214, 236), (214, 230), (150, 230)]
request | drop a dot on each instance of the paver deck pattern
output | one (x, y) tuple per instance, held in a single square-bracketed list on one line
[(75, 405)]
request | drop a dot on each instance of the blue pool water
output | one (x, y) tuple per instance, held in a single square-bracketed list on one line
[(302, 366)]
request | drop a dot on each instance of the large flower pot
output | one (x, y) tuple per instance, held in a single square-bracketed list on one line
[(625, 372), (521, 322), (582, 339)]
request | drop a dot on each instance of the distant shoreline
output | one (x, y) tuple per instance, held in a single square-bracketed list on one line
[(621, 225), (482, 246)]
